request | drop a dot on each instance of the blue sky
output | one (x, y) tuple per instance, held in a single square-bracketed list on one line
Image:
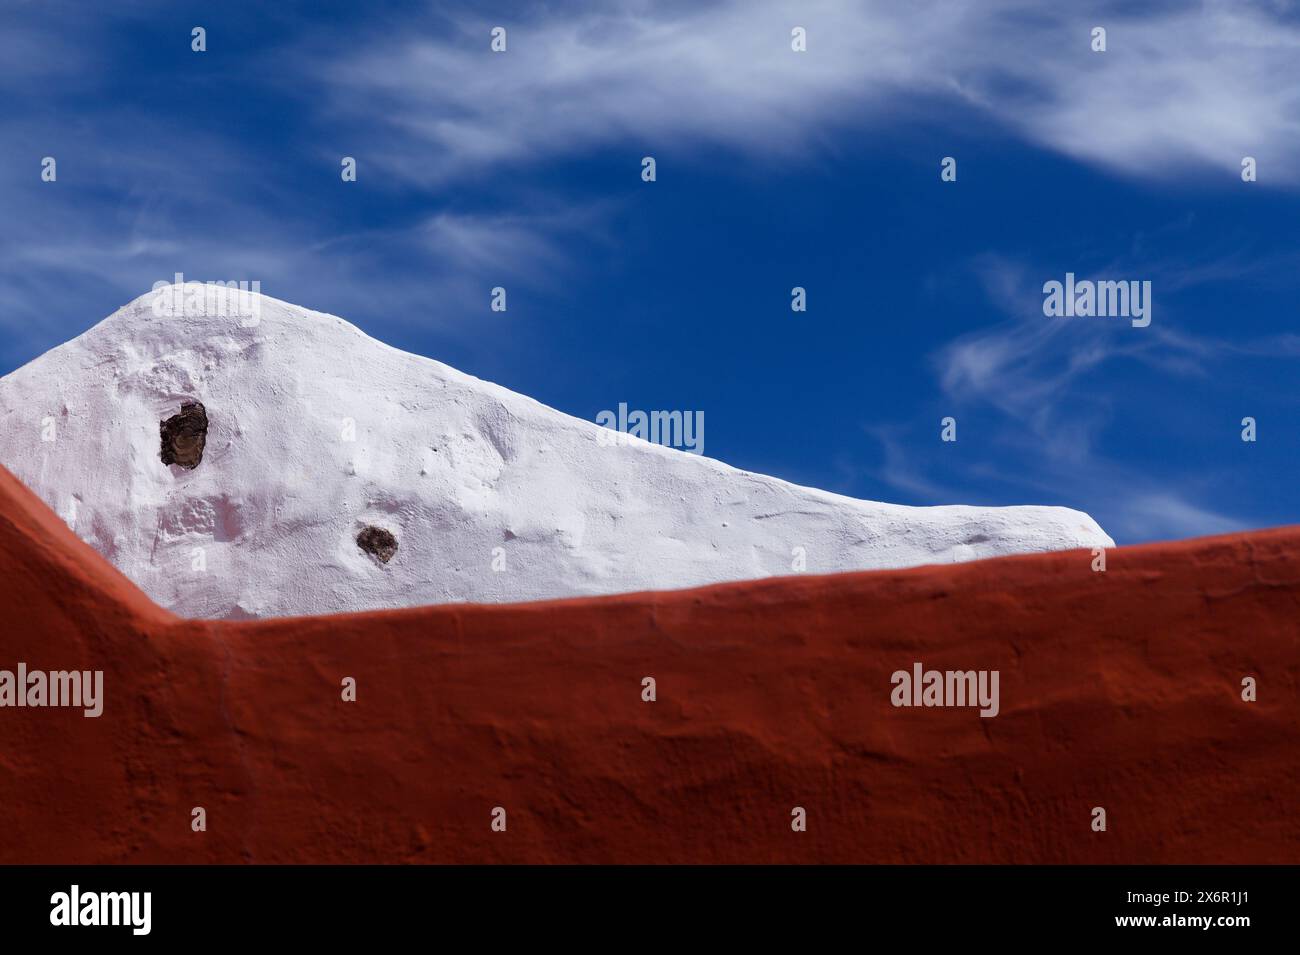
[(775, 169)]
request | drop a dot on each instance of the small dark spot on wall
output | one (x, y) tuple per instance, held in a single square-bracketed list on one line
[(184, 436)]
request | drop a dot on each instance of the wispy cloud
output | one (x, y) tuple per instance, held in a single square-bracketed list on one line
[(440, 115), (1164, 514), (1180, 84), (1025, 365), (1040, 378)]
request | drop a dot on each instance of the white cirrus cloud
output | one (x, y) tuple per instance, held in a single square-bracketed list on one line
[(1179, 85)]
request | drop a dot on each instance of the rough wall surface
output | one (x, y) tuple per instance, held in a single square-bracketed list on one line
[(311, 432), (1119, 689)]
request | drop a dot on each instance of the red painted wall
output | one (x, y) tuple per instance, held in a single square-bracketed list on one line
[(1119, 689)]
